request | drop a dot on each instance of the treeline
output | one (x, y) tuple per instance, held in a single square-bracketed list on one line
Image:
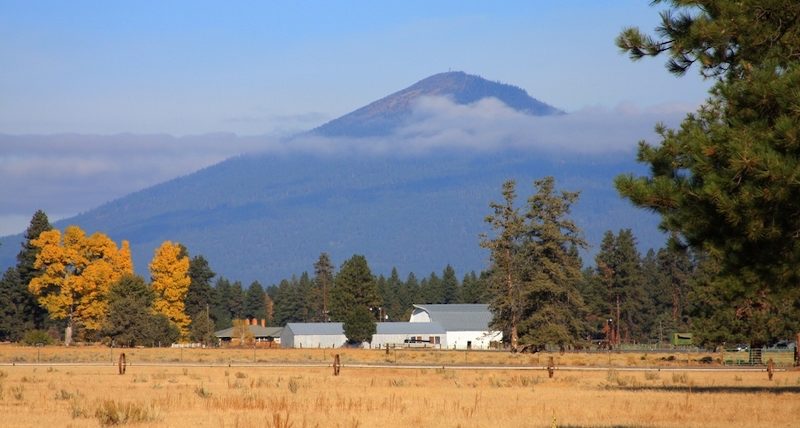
[(535, 281)]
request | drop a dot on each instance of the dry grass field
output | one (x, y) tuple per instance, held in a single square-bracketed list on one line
[(176, 395), (224, 356)]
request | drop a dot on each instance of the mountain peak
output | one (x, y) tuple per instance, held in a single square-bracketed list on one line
[(383, 116)]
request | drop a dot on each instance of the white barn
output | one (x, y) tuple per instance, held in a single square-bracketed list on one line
[(411, 334), (466, 325), (313, 335)]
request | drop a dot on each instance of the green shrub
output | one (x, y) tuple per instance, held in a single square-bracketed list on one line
[(34, 337)]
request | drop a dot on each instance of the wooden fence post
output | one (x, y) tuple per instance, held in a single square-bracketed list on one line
[(122, 363), (336, 365), (551, 367), (770, 368)]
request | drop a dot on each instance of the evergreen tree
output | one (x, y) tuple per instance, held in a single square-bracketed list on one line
[(200, 294), (290, 305), (236, 301), (14, 305), (354, 287), (131, 320), (323, 281), (620, 275), (431, 288), (474, 288), (255, 305), (359, 325), (506, 263), (202, 329), (28, 310), (220, 310), (552, 308), (535, 270), (27, 255), (725, 182), (411, 296), (450, 288), (395, 302)]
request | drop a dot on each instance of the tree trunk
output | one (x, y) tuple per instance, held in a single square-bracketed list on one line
[(68, 335), (514, 338)]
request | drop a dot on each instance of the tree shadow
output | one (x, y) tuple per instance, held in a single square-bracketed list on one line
[(727, 389)]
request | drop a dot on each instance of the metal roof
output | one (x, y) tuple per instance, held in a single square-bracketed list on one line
[(459, 317), (257, 331), (315, 328), (409, 328)]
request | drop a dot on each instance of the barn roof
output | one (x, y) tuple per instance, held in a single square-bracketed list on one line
[(459, 317), (316, 328), (409, 328), (257, 330)]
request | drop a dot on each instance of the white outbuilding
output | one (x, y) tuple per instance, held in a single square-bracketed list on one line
[(313, 335), (466, 325)]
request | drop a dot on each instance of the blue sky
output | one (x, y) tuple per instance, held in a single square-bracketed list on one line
[(275, 68)]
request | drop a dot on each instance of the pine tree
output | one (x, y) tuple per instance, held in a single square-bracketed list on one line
[(506, 284), (552, 308), (26, 258), (535, 270), (14, 302), (624, 289), (200, 294), (169, 272), (254, 303), (236, 301), (354, 288), (450, 288), (28, 310), (724, 183), (323, 281), (395, 303), (220, 311), (130, 319)]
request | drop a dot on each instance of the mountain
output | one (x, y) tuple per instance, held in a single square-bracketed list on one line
[(268, 216), (381, 117)]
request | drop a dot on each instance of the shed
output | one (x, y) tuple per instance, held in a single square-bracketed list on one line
[(411, 334), (466, 325), (313, 335), (260, 334)]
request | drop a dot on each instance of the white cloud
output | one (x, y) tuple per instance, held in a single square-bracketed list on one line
[(488, 125)]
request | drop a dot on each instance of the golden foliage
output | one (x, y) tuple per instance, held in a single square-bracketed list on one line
[(241, 333), (77, 273), (169, 273)]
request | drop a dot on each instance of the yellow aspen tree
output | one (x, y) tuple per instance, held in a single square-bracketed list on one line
[(77, 274), (169, 273)]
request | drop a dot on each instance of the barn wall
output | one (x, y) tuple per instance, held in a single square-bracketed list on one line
[(318, 341), (379, 340), (479, 339)]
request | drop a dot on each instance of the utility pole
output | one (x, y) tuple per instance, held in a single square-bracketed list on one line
[(618, 320)]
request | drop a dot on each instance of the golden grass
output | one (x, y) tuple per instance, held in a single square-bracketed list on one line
[(100, 355), (176, 396)]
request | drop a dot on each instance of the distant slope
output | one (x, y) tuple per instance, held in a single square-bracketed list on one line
[(267, 217), (381, 117)]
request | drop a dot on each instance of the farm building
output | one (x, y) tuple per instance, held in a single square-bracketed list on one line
[(467, 325), (412, 334), (313, 335), (263, 336)]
